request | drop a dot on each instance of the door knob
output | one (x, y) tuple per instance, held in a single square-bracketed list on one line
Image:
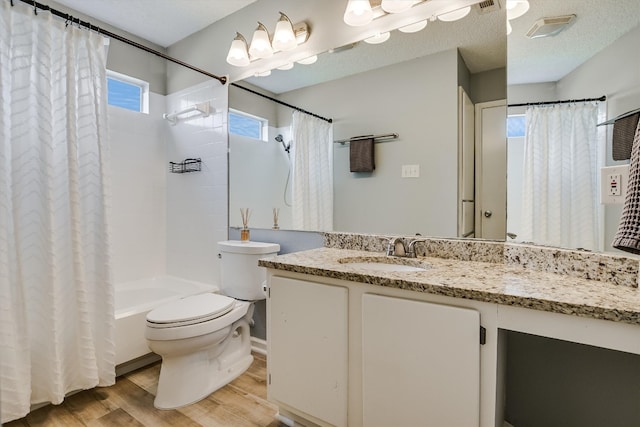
[(487, 214)]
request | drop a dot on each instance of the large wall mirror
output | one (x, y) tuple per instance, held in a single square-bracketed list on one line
[(593, 56), (409, 86)]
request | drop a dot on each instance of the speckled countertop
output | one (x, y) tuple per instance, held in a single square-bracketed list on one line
[(495, 282)]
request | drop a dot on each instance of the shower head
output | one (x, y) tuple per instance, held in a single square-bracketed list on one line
[(286, 147)]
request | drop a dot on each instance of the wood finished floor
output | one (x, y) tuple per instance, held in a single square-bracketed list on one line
[(129, 402)]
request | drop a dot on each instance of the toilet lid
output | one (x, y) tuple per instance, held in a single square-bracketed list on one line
[(189, 310)]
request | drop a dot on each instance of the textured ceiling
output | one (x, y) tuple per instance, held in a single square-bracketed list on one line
[(478, 36), (162, 22), (598, 24)]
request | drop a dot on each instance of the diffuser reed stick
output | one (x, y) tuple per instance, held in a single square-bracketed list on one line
[(245, 214)]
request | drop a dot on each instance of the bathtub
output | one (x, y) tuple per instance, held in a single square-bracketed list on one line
[(133, 300)]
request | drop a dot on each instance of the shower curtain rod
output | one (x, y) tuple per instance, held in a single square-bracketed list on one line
[(277, 101), (566, 101), (91, 27)]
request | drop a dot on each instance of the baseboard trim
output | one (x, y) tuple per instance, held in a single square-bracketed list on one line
[(259, 346)]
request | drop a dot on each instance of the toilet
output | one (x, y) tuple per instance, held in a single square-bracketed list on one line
[(204, 339)]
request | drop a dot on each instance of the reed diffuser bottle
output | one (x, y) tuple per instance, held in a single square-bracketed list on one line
[(245, 213), (276, 212)]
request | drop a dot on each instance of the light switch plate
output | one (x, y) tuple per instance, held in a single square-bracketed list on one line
[(410, 171)]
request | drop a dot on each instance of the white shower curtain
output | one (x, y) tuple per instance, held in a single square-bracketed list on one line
[(312, 180), (56, 295), (560, 192)]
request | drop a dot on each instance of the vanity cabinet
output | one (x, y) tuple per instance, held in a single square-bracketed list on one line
[(420, 363), (307, 345), (360, 355)]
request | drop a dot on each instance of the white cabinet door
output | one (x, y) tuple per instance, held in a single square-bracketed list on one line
[(421, 363), (308, 345)]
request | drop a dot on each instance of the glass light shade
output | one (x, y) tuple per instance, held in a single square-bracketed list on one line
[(396, 6), (516, 8), (238, 54), (286, 66), (509, 29), (263, 74), (358, 13), (284, 37), (414, 28), (378, 38), (308, 61), (455, 15), (260, 44)]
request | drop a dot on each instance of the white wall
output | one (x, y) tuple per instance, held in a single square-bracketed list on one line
[(197, 202), (138, 184), (418, 100)]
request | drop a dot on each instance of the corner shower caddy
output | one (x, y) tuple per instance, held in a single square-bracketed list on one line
[(188, 165)]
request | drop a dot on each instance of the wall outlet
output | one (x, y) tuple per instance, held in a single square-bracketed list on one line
[(613, 184), (410, 171)]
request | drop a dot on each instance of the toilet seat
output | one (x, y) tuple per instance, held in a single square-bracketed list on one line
[(190, 310)]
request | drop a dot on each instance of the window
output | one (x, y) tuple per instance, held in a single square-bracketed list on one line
[(127, 92), (247, 125), (516, 126)]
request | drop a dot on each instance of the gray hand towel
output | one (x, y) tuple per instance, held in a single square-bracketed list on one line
[(628, 236), (361, 155), (624, 131)]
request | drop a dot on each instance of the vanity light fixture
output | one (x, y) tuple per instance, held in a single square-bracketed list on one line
[(287, 66), (414, 28), (516, 8), (308, 61), (396, 6), (378, 38), (238, 54), (455, 15), (286, 37), (358, 13), (260, 43)]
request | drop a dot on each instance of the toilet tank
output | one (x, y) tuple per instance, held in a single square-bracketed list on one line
[(240, 275)]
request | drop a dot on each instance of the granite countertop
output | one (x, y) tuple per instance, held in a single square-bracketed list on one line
[(481, 281)]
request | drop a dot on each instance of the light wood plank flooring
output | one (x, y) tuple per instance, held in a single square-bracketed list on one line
[(130, 403)]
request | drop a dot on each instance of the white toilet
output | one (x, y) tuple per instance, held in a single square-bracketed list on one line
[(204, 339)]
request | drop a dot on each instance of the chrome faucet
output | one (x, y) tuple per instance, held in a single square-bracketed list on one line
[(395, 247), (411, 252)]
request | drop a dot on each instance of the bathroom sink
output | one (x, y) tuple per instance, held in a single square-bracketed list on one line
[(385, 264)]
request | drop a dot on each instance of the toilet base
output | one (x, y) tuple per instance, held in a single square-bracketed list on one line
[(189, 378)]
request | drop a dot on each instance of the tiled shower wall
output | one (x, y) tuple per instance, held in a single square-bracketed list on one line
[(196, 207), (164, 223), (137, 144)]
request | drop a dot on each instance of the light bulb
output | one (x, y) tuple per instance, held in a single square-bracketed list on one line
[(238, 55), (263, 74), (509, 28), (358, 13), (286, 66), (260, 44), (284, 37), (455, 15)]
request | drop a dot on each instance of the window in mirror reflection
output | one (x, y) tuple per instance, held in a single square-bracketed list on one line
[(247, 125), (516, 126)]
